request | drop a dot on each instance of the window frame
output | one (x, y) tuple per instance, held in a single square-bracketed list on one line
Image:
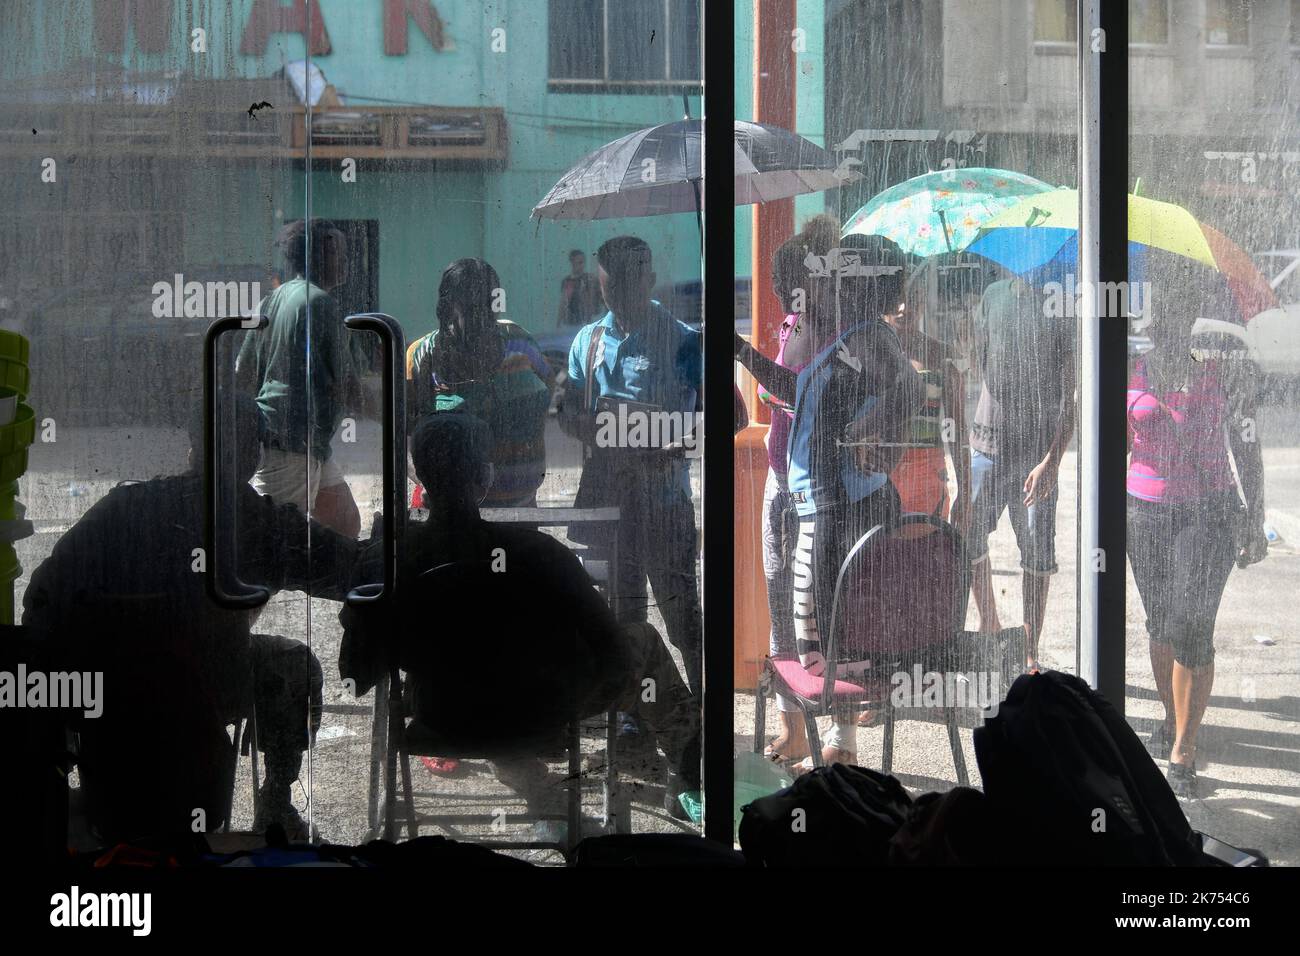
[(1068, 47), (605, 84), (1227, 48), (1164, 45)]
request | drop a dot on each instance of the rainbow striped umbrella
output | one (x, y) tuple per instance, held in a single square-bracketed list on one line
[(1038, 238)]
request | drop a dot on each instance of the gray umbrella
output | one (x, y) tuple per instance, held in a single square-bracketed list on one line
[(658, 170)]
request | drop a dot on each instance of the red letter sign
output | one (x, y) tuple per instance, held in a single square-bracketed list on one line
[(268, 17), (152, 20), (425, 17)]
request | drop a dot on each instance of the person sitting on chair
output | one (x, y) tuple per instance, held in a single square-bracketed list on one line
[(123, 591), (522, 623)]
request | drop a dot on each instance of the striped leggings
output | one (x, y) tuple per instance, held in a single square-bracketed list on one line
[(823, 542)]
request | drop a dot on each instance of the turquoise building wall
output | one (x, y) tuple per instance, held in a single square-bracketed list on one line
[(809, 105), (429, 214)]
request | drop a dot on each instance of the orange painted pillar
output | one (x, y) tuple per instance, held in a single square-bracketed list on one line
[(774, 105)]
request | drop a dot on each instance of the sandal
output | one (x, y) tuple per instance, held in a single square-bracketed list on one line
[(443, 766), (770, 753), (871, 718), (1182, 780), (1161, 743)]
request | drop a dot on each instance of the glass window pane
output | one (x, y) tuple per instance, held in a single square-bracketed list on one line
[(685, 35), (1210, 675), (1227, 22), (548, 527), (1055, 21), (1148, 21), (577, 44), (141, 200), (941, 137), (637, 42)]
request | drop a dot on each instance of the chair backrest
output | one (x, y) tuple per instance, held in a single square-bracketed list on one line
[(489, 666), (900, 594)]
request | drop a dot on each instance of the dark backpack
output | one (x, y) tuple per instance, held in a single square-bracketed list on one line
[(1072, 784), (956, 828), (832, 816)]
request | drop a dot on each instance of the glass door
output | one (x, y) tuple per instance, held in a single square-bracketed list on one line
[(1211, 665), (153, 169), (937, 120), (552, 369)]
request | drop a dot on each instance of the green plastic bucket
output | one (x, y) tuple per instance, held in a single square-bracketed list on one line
[(10, 569), (14, 354), (15, 439), (756, 777)]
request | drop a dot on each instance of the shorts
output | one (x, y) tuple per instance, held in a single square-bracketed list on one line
[(1182, 553), (295, 477), (997, 486)]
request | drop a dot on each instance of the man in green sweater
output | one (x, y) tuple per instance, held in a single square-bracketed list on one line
[(304, 369)]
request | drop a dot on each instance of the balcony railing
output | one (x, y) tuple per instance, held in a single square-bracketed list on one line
[(406, 133)]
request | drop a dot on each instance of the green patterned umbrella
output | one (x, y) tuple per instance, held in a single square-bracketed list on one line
[(941, 211)]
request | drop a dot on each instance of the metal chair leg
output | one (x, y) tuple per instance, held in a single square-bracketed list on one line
[(954, 740), (887, 756), (412, 822), (760, 708), (251, 733), (395, 743), (378, 747), (234, 772), (613, 822), (814, 736), (574, 830)]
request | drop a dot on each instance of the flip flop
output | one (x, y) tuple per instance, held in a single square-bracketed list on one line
[(443, 766), (802, 767), (776, 756)]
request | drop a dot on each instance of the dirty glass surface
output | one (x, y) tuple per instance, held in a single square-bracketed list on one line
[(543, 614), (149, 167), (981, 100), (1211, 665), (169, 165)]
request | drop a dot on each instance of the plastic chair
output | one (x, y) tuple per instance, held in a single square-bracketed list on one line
[(899, 601)]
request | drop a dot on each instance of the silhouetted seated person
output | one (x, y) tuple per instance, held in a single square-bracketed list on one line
[(502, 635), (123, 592)]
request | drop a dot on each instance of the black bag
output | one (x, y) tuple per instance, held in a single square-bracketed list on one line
[(956, 828), (1073, 785), (832, 816)]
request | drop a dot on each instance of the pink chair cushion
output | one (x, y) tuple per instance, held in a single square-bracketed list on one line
[(806, 685)]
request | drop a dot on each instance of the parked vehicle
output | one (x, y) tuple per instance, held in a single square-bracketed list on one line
[(1274, 335), (83, 335)]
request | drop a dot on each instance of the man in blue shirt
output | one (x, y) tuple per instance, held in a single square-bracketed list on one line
[(633, 396)]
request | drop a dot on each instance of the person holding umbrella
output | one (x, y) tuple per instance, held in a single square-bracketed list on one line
[(1187, 524)]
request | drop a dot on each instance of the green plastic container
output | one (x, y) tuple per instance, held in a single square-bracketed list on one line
[(14, 354), (14, 347), (756, 777), (15, 439)]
